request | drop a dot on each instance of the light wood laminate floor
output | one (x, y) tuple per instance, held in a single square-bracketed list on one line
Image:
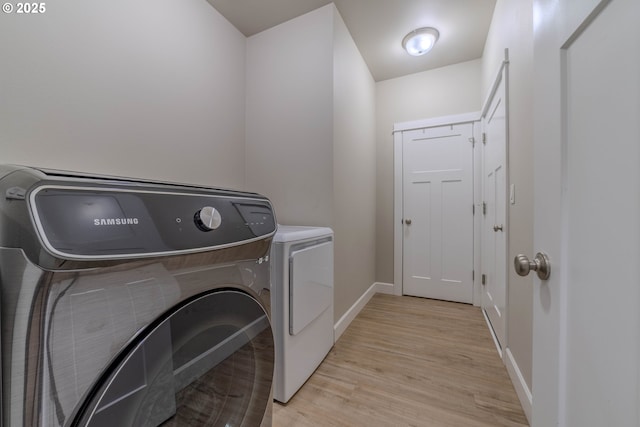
[(408, 361)]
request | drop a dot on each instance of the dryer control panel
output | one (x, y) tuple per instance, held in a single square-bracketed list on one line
[(105, 223)]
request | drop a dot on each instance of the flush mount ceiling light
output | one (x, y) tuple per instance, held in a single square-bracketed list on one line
[(420, 41)]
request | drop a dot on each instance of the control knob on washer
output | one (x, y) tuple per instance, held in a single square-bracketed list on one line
[(208, 218)]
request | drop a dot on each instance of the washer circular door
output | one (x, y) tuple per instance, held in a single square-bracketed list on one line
[(206, 362)]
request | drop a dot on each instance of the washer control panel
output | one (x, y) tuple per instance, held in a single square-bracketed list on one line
[(81, 222)]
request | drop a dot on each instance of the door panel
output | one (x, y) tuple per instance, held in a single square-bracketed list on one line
[(438, 201), (455, 209), (602, 160), (587, 209)]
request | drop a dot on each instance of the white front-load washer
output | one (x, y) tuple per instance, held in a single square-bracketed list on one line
[(301, 304)]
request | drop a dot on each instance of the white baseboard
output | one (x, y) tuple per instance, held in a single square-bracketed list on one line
[(346, 319), (522, 390), (385, 288), (344, 322)]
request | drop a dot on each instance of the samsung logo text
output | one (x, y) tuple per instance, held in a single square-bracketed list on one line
[(115, 221)]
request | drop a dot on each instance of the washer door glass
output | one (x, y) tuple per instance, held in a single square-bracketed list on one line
[(207, 362)]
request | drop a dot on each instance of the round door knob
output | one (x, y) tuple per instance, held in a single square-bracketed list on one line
[(208, 218), (497, 228), (540, 264), (407, 221)]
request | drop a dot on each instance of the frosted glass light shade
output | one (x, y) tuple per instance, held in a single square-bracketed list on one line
[(420, 41)]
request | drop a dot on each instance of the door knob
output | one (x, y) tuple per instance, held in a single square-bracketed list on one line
[(407, 221), (497, 228), (540, 264)]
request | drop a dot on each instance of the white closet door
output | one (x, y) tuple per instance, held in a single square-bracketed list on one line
[(438, 215)]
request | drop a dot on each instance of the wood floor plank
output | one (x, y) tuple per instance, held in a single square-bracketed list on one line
[(408, 361)]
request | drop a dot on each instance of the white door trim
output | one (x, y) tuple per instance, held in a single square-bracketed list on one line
[(398, 128), (501, 75), (436, 122), (496, 84)]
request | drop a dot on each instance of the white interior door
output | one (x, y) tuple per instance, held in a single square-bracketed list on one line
[(438, 215), (587, 213), (494, 224)]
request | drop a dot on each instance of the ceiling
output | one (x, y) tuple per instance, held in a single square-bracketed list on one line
[(378, 26)]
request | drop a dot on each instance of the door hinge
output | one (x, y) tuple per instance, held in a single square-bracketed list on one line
[(484, 279), (473, 208), (484, 138), (484, 208), (473, 275)]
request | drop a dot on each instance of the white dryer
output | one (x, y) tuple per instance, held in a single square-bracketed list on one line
[(301, 303)]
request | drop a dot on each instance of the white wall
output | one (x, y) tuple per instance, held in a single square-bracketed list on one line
[(450, 90), (512, 28), (289, 133), (109, 87), (310, 138), (354, 169)]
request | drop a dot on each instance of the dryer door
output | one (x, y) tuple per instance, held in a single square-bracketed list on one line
[(207, 362), (310, 284)]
